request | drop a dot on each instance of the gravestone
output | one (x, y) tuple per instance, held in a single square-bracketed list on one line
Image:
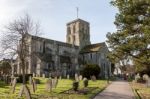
[(84, 78), (35, 82), (50, 75), (33, 75), (68, 76), (85, 83), (147, 79), (49, 85), (60, 77), (14, 84), (137, 77), (43, 75), (32, 82), (56, 81), (80, 77), (93, 78), (76, 77)]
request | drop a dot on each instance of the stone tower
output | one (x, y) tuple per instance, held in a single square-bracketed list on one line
[(78, 33)]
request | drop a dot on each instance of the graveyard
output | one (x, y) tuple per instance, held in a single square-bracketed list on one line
[(141, 90), (62, 89), (141, 86), (75, 49)]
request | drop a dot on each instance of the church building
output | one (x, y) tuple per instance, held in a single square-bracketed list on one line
[(54, 58)]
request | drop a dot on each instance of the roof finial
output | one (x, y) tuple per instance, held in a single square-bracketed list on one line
[(77, 12)]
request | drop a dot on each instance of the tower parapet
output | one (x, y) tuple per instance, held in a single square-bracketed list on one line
[(78, 33)]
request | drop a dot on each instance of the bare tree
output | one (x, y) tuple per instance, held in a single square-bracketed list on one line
[(15, 42)]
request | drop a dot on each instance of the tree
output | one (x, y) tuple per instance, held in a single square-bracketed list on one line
[(131, 41), (90, 70), (15, 42)]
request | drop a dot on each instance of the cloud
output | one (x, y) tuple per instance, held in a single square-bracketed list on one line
[(10, 8)]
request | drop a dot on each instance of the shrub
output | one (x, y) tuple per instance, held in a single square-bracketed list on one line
[(37, 81), (85, 83), (20, 77), (90, 70), (75, 85)]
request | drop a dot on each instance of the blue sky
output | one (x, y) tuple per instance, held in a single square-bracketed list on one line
[(54, 14)]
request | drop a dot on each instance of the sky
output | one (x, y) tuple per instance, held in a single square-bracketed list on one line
[(54, 14)]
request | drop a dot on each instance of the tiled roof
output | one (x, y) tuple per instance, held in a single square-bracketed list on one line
[(92, 48)]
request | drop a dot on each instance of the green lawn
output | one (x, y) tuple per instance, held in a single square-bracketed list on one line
[(62, 86), (141, 89)]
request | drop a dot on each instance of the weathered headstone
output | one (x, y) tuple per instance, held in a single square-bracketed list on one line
[(84, 79), (49, 85), (68, 76), (43, 75), (80, 77), (93, 78), (54, 82), (85, 83), (50, 75), (33, 75), (137, 77), (147, 79), (76, 77), (60, 77), (35, 82), (32, 82), (14, 84), (75, 85)]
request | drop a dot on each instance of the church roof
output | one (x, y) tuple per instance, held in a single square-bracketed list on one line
[(77, 20), (92, 48), (54, 41)]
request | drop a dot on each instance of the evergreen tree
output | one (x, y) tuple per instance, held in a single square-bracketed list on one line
[(131, 41)]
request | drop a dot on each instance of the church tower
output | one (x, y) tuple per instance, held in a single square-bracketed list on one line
[(78, 33)]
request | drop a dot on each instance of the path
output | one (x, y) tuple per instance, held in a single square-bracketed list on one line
[(117, 90)]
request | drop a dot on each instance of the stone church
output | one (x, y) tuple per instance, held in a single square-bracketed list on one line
[(50, 57)]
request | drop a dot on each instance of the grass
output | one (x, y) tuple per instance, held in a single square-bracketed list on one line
[(63, 85), (141, 89)]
